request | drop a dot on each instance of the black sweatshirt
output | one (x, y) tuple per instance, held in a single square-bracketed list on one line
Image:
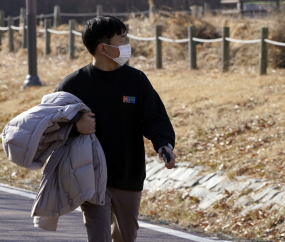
[(126, 108)]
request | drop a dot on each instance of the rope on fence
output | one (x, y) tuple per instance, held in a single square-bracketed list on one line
[(16, 28), (4, 28), (140, 13), (207, 40), (76, 33), (113, 14), (117, 14), (104, 13), (243, 41), (173, 40), (45, 15), (274, 42), (14, 18), (126, 14), (173, 12), (141, 38), (77, 14), (160, 37), (57, 32)]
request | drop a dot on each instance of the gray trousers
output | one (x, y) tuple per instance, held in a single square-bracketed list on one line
[(116, 221)]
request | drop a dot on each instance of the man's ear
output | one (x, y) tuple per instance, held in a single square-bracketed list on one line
[(101, 49)]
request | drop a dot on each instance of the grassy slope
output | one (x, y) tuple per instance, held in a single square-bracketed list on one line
[(233, 122)]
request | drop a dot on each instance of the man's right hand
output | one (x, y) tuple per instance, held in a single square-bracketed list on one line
[(86, 124)]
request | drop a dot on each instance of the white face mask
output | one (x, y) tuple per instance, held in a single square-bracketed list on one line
[(125, 54)]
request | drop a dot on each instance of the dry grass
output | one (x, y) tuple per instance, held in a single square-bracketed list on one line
[(232, 122), (178, 208), (175, 26), (209, 55)]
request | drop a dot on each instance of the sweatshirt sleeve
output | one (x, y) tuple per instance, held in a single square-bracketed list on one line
[(156, 125), (73, 131)]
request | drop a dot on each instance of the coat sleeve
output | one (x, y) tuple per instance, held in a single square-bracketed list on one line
[(66, 86), (46, 223), (156, 125)]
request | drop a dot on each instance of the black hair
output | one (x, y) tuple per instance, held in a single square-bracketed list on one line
[(101, 29)]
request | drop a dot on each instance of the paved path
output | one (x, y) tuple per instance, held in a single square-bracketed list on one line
[(17, 225)]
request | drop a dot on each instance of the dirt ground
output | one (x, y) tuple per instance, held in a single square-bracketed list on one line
[(232, 122)]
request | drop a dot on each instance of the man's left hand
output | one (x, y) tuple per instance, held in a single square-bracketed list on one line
[(171, 164)]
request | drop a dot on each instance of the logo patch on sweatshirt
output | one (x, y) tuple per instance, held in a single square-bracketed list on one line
[(129, 99)]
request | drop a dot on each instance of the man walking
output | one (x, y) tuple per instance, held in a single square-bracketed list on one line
[(126, 108)]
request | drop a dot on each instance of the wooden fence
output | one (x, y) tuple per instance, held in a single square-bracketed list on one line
[(158, 38)]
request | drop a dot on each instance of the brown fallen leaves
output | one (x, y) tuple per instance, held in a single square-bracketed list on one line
[(232, 122), (221, 218)]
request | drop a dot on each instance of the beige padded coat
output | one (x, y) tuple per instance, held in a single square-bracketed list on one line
[(76, 169)]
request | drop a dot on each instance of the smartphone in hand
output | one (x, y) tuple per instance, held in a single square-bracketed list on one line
[(165, 155)]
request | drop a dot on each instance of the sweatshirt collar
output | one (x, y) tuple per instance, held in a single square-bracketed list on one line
[(97, 71)]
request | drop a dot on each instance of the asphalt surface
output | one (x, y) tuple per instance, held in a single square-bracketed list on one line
[(16, 224)]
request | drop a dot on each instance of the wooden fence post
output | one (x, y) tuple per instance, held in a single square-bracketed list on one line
[(206, 9), (99, 10), (22, 16), (151, 10), (197, 11), (11, 33), (56, 16), (2, 16), (71, 39), (263, 52), (158, 45), (225, 49), (47, 24), (277, 5), (24, 34), (240, 8), (192, 47)]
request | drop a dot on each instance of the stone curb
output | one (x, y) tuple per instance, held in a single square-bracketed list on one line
[(212, 187)]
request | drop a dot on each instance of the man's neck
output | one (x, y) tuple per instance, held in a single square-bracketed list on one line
[(105, 66)]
